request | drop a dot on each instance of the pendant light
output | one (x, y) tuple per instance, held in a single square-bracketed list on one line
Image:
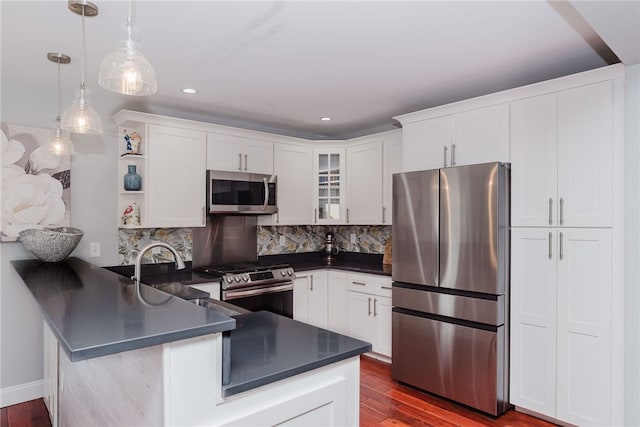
[(81, 117), (59, 143), (126, 70)]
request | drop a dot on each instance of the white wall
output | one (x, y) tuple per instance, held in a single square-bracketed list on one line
[(632, 248), (93, 206)]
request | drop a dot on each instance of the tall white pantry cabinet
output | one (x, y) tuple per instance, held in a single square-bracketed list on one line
[(564, 139), (564, 177)]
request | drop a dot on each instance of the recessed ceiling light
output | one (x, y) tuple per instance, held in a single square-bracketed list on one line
[(189, 90), (325, 119)]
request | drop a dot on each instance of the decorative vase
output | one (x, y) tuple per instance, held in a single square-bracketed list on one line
[(132, 181)]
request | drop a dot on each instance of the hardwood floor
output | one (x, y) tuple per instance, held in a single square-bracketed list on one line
[(383, 402), (27, 414)]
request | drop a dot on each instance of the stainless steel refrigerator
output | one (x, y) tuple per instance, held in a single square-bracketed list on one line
[(451, 282)]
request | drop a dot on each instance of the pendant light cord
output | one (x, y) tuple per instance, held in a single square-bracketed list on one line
[(130, 12), (84, 48)]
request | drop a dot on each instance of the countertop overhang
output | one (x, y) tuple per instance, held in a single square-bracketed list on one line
[(94, 312)]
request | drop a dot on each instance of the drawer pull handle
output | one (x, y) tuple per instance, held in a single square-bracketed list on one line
[(359, 283), (385, 287)]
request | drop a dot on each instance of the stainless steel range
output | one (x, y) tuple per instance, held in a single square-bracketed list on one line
[(242, 279), (226, 249)]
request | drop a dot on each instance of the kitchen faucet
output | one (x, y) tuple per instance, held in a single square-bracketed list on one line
[(136, 271)]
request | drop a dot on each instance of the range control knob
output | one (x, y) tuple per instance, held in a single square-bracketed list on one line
[(229, 279), (237, 279), (283, 273), (245, 277), (290, 272)]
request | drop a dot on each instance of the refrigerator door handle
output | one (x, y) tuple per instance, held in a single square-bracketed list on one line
[(550, 246)]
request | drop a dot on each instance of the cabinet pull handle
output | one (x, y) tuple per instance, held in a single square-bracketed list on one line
[(375, 307), (358, 283), (550, 246), (385, 287), (369, 306), (561, 211), (239, 161), (245, 162), (550, 211), (453, 154), (384, 211), (204, 215), (347, 215), (445, 148), (312, 282), (315, 215), (561, 246)]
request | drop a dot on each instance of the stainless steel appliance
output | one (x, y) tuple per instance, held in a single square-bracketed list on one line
[(330, 248), (256, 287), (450, 283), (226, 249), (240, 193)]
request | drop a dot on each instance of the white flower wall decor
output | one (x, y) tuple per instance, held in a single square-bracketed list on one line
[(35, 183)]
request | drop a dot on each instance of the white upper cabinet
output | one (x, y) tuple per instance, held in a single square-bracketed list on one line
[(239, 154), (176, 175), (293, 166), (562, 158), (391, 163), (364, 183), (423, 143), (585, 156), (469, 137), (480, 136), (329, 174)]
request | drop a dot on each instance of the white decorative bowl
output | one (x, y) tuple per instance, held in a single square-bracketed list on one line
[(51, 244)]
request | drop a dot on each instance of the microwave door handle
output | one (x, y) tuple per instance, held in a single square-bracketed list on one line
[(266, 194)]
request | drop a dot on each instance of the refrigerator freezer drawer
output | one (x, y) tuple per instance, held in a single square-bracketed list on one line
[(458, 362), (487, 311)]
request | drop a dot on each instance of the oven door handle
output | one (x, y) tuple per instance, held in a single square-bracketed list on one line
[(231, 295)]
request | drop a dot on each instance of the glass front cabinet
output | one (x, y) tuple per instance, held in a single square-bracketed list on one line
[(329, 186)]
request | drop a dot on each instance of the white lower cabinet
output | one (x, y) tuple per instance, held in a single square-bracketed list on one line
[(337, 319), (369, 310), (310, 298), (212, 288), (561, 323)]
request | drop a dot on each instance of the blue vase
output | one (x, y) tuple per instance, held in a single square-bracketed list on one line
[(132, 181)]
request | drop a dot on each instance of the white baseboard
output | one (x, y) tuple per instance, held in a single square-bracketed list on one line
[(21, 393)]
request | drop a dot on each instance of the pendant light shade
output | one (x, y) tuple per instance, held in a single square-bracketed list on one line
[(59, 143), (126, 70), (80, 117)]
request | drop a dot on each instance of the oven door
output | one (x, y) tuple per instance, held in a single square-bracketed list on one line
[(241, 193), (277, 299)]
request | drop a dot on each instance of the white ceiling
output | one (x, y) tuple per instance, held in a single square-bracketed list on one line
[(280, 66)]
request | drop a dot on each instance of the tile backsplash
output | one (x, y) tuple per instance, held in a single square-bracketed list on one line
[(132, 240), (296, 238), (310, 238)]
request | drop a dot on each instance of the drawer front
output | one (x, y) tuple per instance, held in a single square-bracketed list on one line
[(370, 284)]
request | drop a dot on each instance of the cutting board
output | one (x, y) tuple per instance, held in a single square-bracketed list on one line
[(386, 259)]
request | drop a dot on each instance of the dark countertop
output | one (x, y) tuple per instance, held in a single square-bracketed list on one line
[(266, 347), (94, 312), (349, 261)]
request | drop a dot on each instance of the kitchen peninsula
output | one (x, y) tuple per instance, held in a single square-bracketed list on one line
[(155, 359)]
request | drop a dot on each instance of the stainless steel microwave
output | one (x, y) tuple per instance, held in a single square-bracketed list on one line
[(241, 193)]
